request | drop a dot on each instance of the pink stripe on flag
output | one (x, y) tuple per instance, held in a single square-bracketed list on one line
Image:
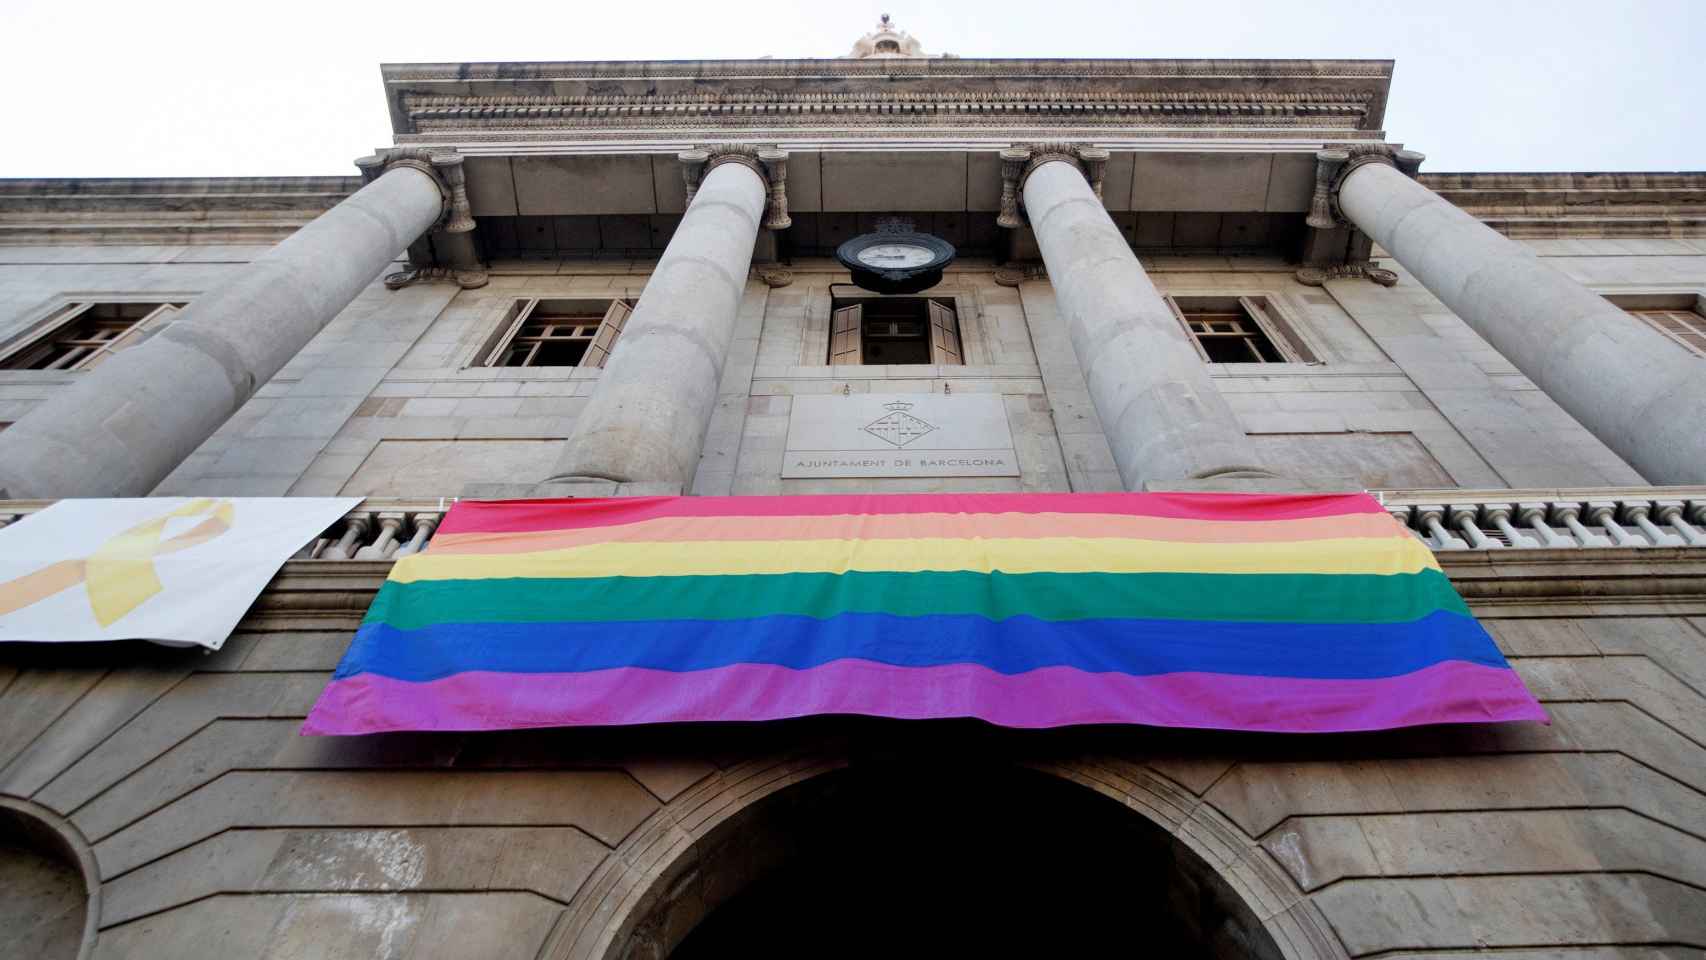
[(1449, 692), (513, 516)]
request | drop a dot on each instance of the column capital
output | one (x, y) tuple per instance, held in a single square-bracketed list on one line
[(770, 163), (1020, 160), (1334, 164), (445, 169), (456, 218)]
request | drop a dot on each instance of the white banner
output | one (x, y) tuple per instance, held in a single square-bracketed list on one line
[(176, 570)]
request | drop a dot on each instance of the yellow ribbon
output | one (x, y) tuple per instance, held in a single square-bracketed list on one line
[(120, 574)]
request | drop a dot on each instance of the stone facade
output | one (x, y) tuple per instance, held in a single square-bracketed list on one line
[(161, 804)]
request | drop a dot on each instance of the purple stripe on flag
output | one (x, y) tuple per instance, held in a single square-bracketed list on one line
[(1450, 692)]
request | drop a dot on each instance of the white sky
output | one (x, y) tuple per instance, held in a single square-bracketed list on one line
[(125, 88)]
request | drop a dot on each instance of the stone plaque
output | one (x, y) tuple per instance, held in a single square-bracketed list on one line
[(899, 435)]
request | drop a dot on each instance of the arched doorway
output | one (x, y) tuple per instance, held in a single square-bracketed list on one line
[(911, 858), (46, 911)]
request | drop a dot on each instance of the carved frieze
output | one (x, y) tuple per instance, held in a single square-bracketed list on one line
[(786, 109)]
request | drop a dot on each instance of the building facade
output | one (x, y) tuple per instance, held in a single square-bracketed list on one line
[(616, 279)]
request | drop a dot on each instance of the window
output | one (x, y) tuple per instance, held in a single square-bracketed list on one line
[(894, 330), (557, 333), (1683, 325), (1238, 330), (82, 335)]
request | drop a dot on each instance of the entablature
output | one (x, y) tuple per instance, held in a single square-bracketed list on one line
[(878, 98)]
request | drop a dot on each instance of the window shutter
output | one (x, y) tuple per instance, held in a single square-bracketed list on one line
[(1684, 326), (138, 331), (944, 335), (32, 349), (1185, 325), (524, 309), (1280, 334), (598, 354), (846, 330)]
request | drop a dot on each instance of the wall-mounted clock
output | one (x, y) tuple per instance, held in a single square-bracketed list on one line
[(892, 262)]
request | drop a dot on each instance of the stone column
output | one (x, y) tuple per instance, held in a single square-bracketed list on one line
[(647, 418), (1634, 389), (124, 426), (1163, 417)]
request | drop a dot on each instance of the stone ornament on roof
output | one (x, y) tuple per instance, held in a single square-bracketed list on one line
[(887, 41)]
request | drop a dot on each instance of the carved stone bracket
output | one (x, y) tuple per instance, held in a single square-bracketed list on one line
[(1012, 276), (1335, 248), (1318, 276), (1019, 161), (770, 163), (773, 276), (453, 251), (466, 279)]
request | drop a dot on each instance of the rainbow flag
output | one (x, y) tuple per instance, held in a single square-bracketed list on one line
[(1230, 611)]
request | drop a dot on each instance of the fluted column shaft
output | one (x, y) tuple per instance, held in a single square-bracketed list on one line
[(647, 418), (1641, 394), (124, 426), (1163, 417)]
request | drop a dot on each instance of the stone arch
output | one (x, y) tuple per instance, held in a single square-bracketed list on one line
[(728, 831), (50, 888)]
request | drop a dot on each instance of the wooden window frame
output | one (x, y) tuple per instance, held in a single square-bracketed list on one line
[(1693, 335), (86, 353), (601, 342), (942, 331), (1691, 304), (1280, 334)]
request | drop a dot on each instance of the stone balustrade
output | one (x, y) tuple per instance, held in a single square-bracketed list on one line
[(1553, 519), (1445, 520)]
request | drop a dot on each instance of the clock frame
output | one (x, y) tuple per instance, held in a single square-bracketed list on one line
[(910, 279)]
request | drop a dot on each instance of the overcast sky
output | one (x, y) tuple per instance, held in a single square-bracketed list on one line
[(122, 88)]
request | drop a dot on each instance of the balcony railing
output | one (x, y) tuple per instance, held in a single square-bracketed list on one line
[(1445, 520), (1553, 519)]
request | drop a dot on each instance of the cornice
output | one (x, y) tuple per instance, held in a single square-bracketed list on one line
[(236, 210), (889, 67), (1562, 582), (1318, 94), (1663, 204)]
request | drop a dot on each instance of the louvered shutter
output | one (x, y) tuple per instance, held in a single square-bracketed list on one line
[(604, 341), (523, 310), (139, 331), (1185, 325), (944, 335), (846, 330)]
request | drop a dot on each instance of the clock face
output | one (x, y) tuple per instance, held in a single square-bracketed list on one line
[(895, 256), (894, 261)]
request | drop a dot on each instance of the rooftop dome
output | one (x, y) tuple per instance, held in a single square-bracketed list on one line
[(886, 41)]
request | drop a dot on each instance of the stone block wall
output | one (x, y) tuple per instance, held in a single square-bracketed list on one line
[(210, 828), (387, 401)]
